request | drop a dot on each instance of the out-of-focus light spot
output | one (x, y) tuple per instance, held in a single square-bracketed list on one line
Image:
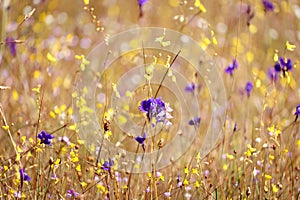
[(222, 28), (252, 29), (285, 6), (122, 119), (296, 9), (85, 43), (257, 83), (174, 3), (27, 10), (273, 34), (113, 11), (202, 23), (249, 56), (49, 19), (62, 18), (36, 1), (15, 95), (36, 74)]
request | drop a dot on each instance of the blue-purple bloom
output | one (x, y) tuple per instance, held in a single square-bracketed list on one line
[(283, 65), (268, 5), (45, 138), (190, 87), (23, 176), (72, 193), (142, 2), (107, 165), (297, 113), (231, 67), (195, 121), (12, 45), (156, 109), (248, 88), (141, 140)]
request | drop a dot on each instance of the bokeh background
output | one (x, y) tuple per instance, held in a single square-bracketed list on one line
[(43, 43)]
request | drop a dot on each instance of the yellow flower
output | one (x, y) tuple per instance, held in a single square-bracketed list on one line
[(274, 188), (186, 170), (229, 156), (274, 131), (268, 177), (289, 46)]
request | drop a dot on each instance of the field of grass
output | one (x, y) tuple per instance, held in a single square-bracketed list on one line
[(77, 123)]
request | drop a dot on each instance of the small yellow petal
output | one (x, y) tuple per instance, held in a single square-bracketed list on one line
[(5, 127), (200, 6), (51, 58), (78, 168), (289, 46)]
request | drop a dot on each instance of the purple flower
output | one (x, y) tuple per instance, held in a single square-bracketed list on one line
[(190, 87), (156, 109), (45, 138), (230, 68), (268, 5), (248, 88), (283, 65), (107, 165), (12, 45), (23, 176), (297, 113), (272, 74), (195, 121), (72, 193), (146, 106), (141, 140), (142, 2)]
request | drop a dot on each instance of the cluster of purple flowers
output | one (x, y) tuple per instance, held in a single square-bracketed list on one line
[(45, 137), (156, 109), (72, 193), (107, 165), (231, 67), (284, 65)]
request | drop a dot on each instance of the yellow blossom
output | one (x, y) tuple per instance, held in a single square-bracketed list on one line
[(197, 185), (186, 170), (199, 5), (289, 46), (274, 188), (229, 156), (268, 177), (186, 182)]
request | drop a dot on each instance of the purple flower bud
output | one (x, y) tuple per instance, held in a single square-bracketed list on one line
[(248, 88)]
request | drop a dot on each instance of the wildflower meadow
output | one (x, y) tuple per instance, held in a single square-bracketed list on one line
[(149, 99)]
